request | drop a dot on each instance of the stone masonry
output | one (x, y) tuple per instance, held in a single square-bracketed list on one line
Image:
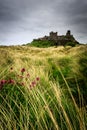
[(59, 40)]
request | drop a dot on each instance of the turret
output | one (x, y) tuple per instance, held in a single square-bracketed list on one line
[(53, 36), (68, 33)]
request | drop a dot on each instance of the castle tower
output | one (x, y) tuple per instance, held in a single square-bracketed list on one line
[(53, 36), (68, 33)]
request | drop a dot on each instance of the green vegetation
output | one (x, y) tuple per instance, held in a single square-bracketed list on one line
[(45, 43), (49, 43), (70, 44), (43, 88)]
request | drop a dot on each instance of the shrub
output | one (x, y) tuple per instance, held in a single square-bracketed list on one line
[(70, 44), (39, 43)]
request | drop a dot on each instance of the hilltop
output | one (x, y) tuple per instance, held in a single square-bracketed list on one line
[(55, 40)]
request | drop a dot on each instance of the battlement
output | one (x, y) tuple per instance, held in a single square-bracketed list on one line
[(68, 33), (53, 35), (59, 39)]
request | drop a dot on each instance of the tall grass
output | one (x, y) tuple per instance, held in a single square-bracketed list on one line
[(47, 94)]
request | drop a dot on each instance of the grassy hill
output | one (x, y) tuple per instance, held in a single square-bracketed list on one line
[(43, 88), (42, 44), (49, 43)]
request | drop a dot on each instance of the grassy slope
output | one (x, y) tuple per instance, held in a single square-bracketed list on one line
[(62, 87)]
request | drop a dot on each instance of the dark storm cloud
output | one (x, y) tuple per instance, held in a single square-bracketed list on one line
[(7, 12), (12, 9), (77, 13), (13, 14), (23, 20), (74, 15), (27, 16)]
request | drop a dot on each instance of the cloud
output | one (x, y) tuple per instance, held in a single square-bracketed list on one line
[(23, 20), (77, 15)]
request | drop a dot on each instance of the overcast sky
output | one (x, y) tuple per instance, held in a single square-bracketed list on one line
[(23, 20)]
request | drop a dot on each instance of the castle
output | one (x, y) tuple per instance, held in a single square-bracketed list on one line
[(59, 40)]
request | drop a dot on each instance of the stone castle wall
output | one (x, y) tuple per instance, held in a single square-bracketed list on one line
[(59, 40)]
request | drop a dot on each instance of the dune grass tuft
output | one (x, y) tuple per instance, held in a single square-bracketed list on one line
[(43, 88)]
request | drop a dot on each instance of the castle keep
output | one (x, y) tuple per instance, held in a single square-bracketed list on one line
[(59, 40)]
